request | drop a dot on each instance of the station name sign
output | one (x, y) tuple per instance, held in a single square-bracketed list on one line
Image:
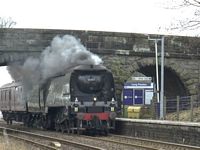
[(138, 85), (141, 78)]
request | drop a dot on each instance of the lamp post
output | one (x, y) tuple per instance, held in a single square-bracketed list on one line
[(161, 97), (162, 79)]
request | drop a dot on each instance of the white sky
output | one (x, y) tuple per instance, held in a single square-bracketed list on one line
[(136, 16), (141, 16)]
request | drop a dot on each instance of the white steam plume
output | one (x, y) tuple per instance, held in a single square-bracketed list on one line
[(63, 53)]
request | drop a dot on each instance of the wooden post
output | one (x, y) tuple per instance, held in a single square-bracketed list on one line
[(191, 107), (153, 107), (177, 107)]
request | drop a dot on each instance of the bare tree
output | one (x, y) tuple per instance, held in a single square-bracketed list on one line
[(195, 3), (189, 23), (7, 22)]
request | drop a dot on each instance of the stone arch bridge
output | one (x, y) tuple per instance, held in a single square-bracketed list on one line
[(123, 53)]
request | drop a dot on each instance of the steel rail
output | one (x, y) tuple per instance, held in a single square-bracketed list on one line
[(121, 143), (32, 142), (191, 147), (63, 141)]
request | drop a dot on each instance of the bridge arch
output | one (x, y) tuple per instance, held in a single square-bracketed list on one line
[(173, 86), (180, 77)]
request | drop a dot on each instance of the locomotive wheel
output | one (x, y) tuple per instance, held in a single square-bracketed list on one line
[(27, 120), (106, 132), (79, 132), (9, 121), (68, 129), (70, 125), (63, 128), (79, 125), (44, 123), (57, 126)]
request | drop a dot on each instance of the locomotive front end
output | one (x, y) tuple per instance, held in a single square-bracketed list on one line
[(93, 97)]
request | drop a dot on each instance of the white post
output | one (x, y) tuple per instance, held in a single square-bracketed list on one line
[(162, 79), (161, 92), (157, 77)]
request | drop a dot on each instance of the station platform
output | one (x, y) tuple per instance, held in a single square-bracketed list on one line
[(164, 122), (164, 130)]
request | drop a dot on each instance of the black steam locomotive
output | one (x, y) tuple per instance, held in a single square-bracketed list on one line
[(81, 100)]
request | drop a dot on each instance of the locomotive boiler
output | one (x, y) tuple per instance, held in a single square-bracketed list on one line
[(81, 100)]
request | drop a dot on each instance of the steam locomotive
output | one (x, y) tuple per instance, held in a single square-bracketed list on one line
[(81, 100)]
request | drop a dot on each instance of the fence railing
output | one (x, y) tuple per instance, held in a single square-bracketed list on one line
[(179, 108)]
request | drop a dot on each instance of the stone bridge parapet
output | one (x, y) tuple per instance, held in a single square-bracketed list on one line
[(123, 53)]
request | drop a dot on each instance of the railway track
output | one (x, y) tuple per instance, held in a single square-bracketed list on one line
[(126, 145), (74, 139), (140, 143), (114, 142), (36, 144), (152, 143), (13, 133)]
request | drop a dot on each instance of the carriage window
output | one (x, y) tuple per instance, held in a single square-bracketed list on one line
[(2, 95), (9, 94), (5, 95), (18, 89)]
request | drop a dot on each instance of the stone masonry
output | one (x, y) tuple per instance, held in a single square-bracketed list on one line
[(123, 53)]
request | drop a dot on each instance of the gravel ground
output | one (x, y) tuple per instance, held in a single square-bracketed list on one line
[(97, 143), (7, 143)]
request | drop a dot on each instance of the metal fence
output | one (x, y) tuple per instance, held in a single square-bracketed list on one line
[(185, 108), (180, 108)]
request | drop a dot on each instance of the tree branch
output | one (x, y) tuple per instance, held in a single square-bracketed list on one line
[(6, 23), (195, 3)]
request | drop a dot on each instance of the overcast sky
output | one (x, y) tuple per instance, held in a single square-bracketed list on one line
[(141, 16), (136, 16)]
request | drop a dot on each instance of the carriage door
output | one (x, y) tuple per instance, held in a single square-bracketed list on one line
[(9, 98), (138, 96)]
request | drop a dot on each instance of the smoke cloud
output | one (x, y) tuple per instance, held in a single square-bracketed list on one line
[(63, 53)]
